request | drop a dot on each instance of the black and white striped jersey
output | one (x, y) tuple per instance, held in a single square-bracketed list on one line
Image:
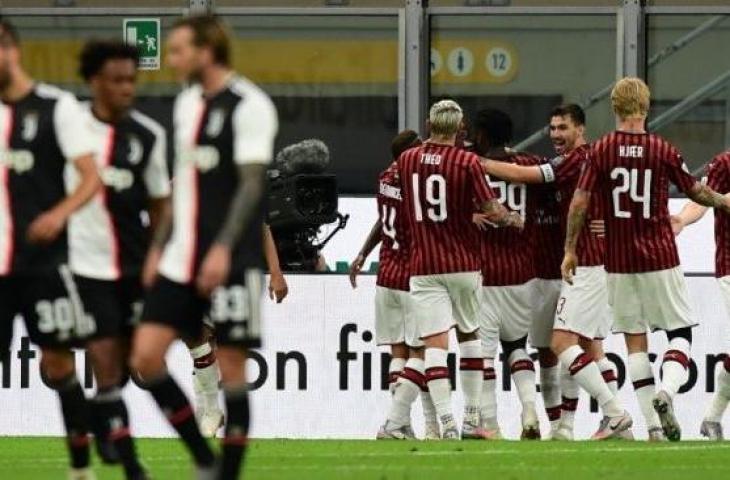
[(41, 134), (213, 136), (109, 236)]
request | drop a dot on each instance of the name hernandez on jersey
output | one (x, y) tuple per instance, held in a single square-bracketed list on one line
[(565, 171), (42, 133), (109, 236), (507, 253), (718, 178), (631, 173), (393, 271), (440, 185), (213, 136)]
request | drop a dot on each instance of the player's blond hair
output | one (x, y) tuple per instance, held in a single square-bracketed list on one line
[(630, 98), (445, 118)]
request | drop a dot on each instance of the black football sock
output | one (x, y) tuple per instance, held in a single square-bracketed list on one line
[(176, 407), (236, 433), (113, 412), (75, 419)]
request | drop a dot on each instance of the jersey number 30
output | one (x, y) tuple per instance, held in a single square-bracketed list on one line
[(435, 187), (628, 183)]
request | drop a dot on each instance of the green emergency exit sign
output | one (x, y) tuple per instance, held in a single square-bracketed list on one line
[(144, 33)]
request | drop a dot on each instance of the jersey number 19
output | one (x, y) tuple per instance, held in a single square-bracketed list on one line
[(435, 187)]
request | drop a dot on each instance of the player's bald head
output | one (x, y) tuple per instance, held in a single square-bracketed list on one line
[(445, 118), (630, 98)]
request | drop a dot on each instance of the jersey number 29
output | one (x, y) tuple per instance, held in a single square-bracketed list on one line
[(629, 183), (435, 187)]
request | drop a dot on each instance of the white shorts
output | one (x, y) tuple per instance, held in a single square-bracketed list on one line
[(545, 302), (440, 302), (724, 283), (393, 319), (650, 300), (583, 307), (507, 313)]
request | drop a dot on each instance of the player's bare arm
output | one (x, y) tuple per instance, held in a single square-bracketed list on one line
[(704, 195), (497, 214), (372, 240), (49, 225), (576, 220), (511, 172), (246, 202), (160, 211), (278, 288), (691, 213)]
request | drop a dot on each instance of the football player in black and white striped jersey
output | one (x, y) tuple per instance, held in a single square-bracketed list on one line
[(109, 237), (43, 136)]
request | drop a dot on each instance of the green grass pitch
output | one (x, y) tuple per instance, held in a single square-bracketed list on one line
[(44, 459)]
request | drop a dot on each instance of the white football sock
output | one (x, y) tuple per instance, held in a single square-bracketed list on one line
[(206, 377), (586, 373), (406, 391), (429, 411), (608, 372), (674, 366), (523, 374), (395, 367), (642, 378), (437, 376), (570, 391), (721, 398), (550, 389), (471, 372), (488, 410)]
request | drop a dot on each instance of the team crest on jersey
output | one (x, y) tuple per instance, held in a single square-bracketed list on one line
[(134, 155), (30, 127), (216, 119)]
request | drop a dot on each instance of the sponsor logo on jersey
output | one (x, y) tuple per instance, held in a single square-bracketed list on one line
[(20, 161), (30, 126), (203, 157), (134, 155), (216, 119), (390, 191), (118, 179)]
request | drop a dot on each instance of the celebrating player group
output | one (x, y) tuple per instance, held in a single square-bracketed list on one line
[(472, 235), (91, 225)]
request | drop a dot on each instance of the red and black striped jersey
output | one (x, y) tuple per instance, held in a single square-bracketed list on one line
[(507, 253), (565, 171), (393, 268), (440, 186), (631, 172), (718, 178), (546, 231)]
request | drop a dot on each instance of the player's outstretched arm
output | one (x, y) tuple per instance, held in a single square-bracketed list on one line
[(50, 224), (707, 197), (511, 172), (372, 240), (576, 220), (278, 288), (500, 216), (691, 213)]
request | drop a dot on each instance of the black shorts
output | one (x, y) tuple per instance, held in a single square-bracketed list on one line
[(115, 306), (234, 310), (49, 305)]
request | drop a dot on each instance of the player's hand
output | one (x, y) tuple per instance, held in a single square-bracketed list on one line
[(567, 269), (149, 269), (677, 224), (214, 270), (278, 289), (46, 227), (598, 227), (481, 220), (515, 220), (355, 268)]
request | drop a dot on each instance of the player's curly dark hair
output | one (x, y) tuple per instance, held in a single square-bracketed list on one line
[(97, 52), (495, 125)]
